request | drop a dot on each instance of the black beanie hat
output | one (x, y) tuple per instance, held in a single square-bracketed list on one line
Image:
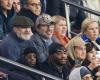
[(30, 50), (55, 47), (84, 71)]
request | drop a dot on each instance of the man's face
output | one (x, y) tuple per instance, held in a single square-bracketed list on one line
[(6, 4), (23, 33), (80, 52), (46, 31), (60, 57), (16, 5), (31, 59), (34, 6), (92, 31)]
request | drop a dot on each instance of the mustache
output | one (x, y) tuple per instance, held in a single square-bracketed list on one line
[(64, 59)]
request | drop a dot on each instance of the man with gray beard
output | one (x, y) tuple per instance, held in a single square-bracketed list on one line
[(13, 45)]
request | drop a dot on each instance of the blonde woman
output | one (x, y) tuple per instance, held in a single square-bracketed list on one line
[(60, 29), (76, 51), (90, 32)]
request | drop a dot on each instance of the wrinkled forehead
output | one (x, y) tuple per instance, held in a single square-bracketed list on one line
[(92, 24), (16, 0), (6, 0), (33, 1)]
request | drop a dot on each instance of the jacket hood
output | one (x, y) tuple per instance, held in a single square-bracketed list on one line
[(76, 41)]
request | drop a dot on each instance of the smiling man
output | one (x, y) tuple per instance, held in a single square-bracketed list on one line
[(12, 45), (56, 63), (43, 36)]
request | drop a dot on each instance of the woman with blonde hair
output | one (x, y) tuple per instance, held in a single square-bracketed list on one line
[(76, 51), (60, 29), (90, 32)]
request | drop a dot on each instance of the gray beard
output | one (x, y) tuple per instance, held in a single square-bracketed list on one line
[(24, 37)]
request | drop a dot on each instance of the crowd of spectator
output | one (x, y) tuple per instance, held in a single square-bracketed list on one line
[(35, 33)]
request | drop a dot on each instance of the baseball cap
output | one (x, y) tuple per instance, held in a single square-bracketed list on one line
[(44, 19)]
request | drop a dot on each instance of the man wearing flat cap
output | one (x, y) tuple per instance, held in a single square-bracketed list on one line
[(13, 45)]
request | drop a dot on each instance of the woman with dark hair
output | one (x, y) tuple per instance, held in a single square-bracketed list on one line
[(91, 61), (91, 54)]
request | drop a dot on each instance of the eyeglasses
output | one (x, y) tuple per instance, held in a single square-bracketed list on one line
[(18, 3), (46, 25)]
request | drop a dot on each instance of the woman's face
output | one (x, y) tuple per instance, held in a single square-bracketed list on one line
[(91, 55), (92, 31), (80, 52), (61, 27)]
